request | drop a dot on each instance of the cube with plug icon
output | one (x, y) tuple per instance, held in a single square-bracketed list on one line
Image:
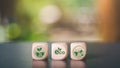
[(78, 50), (39, 50), (59, 51)]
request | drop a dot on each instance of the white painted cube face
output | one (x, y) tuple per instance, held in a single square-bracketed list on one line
[(59, 51), (39, 51), (78, 50)]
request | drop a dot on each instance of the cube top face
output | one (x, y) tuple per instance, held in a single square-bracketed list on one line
[(59, 51), (39, 51), (78, 51)]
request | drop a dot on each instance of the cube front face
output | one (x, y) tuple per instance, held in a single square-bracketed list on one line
[(78, 50), (39, 51), (59, 51)]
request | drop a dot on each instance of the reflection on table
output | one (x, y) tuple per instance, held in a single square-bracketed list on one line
[(58, 64), (77, 64), (39, 64)]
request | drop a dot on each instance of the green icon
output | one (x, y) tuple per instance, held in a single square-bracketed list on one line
[(39, 49), (59, 51), (39, 52), (78, 52)]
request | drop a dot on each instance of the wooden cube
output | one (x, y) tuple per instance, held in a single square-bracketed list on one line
[(78, 50), (59, 51), (39, 51)]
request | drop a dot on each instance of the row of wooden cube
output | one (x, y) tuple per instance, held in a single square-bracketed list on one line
[(59, 50)]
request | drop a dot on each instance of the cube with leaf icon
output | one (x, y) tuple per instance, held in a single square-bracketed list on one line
[(39, 51), (78, 50)]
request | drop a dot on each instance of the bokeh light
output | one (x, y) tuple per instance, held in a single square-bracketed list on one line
[(50, 14)]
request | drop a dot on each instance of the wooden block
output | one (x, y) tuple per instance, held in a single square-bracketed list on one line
[(39, 51), (59, 51), (78, 50)]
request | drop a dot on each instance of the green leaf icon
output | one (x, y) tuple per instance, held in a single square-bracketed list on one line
[(37, 53), (56, 52), (81, 51), (76, 53), (59, 49), (40, 54), (39, 49)]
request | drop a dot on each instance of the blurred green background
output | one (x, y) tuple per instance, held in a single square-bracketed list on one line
[(48, 20)]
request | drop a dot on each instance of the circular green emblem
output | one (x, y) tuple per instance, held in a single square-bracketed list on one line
[(78, 52)]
